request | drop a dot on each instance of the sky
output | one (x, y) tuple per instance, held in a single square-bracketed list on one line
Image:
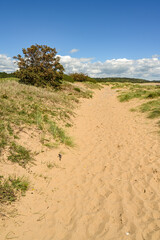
[(103, 38)]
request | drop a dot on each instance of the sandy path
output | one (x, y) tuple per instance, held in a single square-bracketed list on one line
[(108, 187)]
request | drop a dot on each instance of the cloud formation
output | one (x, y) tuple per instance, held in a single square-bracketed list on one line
[(74, 50), (7, 64), (146, 68)]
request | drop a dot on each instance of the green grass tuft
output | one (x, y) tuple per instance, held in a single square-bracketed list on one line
[(60, 135), (50, 165), (20, 155), (77, 89), (9, 188), (153, 107), (123, 97), (19, 184)]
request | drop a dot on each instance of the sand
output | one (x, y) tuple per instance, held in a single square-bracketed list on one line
[(107, 188)]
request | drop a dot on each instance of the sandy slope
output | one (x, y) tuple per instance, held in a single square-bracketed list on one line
[(107, 188)]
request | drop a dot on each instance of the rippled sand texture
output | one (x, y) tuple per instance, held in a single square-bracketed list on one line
[(107, 188)]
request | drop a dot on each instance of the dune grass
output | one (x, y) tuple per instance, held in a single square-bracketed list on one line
[(9, 79), (150, 93), (152, 107), (120, 85), (11, 188), (93, 85), (19, 154), (60, 135), (139, 91)]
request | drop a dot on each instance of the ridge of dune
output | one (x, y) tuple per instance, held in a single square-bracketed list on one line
[(106, 188)]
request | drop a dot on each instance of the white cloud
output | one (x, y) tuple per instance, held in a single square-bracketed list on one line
[(7, 64), (147, 68), (74, 50)]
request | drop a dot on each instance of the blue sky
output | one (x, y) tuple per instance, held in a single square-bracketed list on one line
[(102, 30)]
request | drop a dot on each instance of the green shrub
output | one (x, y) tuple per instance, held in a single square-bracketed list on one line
[(39, 66), (79, 77)]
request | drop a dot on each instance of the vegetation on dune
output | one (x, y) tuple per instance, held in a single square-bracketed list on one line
[(150, 93), (93, 85), (79, 77), (18, 154), (142, 92), (46, 109), (152, 107), (11, 188)]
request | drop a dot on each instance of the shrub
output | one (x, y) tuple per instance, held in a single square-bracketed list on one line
[(39, 66), (79, 77)]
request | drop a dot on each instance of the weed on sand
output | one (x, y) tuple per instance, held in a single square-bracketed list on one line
[(20, 155), (11, 188)]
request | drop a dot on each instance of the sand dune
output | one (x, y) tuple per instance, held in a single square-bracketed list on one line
[(107, 188)]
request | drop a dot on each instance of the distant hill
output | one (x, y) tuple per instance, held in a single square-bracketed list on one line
[(6, 75), (132, 80)]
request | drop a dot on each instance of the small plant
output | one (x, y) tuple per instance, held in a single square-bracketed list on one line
[(19, 155), (152, 94), (19, 184), (79, 77), (50, 165), (10, 130), (68, 125), (77, 89), (3, 136), (7, 193), (9, 188), (60, 135)]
